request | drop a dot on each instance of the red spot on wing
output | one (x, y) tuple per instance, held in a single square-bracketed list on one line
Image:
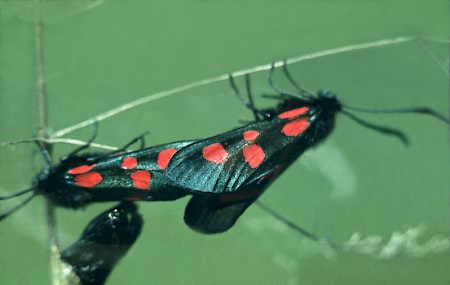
[(141, 179), (250, 135), (295, 127), (165, 156), (215, 153), (88, 180), (129, 163), (293, 113), (253, 155), (81, 169)]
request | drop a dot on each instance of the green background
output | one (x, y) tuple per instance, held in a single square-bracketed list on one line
[(99, 55)]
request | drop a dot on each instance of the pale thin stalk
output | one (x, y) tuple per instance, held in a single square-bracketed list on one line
[(60, 140), (56, 268), (448, 78), (224, 77)]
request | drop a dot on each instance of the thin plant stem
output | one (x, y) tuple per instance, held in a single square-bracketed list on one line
[(57, 269), (60, 140)]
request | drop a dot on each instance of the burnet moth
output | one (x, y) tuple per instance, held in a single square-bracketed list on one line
[(82, 179), (105, 240), (237, 166)]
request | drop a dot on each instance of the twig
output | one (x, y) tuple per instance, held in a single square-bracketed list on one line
[(59, 140), (57, 269), (448, 84)]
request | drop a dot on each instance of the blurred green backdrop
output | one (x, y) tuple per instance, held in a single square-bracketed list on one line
[(101, 54)]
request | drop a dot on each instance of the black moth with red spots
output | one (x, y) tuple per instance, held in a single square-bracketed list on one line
[(133, 176), (237, 166), (83, 179), (226, 162)]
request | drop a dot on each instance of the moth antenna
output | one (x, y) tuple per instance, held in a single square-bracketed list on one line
[(297, 228), (382, 129), (17, 207), (17, 194), (414, 110)]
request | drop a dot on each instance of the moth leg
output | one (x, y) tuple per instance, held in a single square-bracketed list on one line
[(140, 139), (83, 147), (248, 103), (304, 94), (302, 91)]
